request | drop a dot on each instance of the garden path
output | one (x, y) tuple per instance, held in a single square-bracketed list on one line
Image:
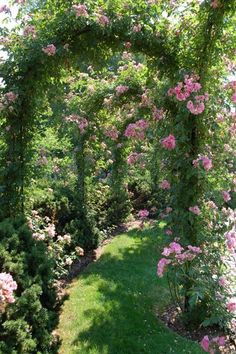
[(112, 305)]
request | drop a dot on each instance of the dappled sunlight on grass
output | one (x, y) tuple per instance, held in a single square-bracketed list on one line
[(111, 307)]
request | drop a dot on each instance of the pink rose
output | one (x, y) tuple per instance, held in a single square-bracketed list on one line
[(103, 20), (195, 210), (80, 10), (161, 266), (121, 89), (205, 343), (194, 249), (137, 28), (169, 142), (164, 184), (226, 196), (50, 50), (234, 97), (231, 305), (142, 214), (7, 286)]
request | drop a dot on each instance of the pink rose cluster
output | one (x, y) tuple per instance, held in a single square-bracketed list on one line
[(145, 100), (38, 236), (195, 210), (231, 240), (232, 85), (7, 287), (206, 162), (178, 255), (232, 129), (8, 99), (210, 346), (223, 282), (29, 31), (199, 106), (137, 130), (103, 20), (51, 230), (4, 40), (80, 10), (161, 266), (121, 89), (164, 184), (169, 142), (211, 204), (133, 158), (137, 28), (184, 90), (112, 133), (50, 49), (157, 114), (80, 121), (143, 214), (226, 196), (231, 305), (5, 9)]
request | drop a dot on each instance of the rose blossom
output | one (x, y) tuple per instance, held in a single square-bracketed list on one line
[(29, 31), (5, 8), (10, 96), (7, 286), (163, 262), (196, 109), (157, 113), (112, 133), (231, 305), (174, 247), (121, 89), (79, 251), (222, 282), (226, 196), (133, 157), (80, 10), (205, 343), (137, 28), (169, 142), (194, 249), (164, 184), (195, 210), (103, 20), (142, 214), (68, 261), (50, 49), (234, 97)]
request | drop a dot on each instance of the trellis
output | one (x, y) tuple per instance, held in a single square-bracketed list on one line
[(29, 71)]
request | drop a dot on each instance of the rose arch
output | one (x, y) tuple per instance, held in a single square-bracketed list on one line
[(78, 35), (35, 65)]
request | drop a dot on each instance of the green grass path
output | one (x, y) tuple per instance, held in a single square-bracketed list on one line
[(111, 306)]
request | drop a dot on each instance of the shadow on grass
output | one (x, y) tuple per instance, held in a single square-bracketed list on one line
[(122, 319)]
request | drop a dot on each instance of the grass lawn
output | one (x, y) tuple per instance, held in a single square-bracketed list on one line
[(111, 306)]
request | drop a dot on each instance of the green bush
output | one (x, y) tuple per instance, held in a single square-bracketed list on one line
[(27, 324)]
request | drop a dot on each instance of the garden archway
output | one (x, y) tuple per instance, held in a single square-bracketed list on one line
[(29, 74), (77, 33)]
